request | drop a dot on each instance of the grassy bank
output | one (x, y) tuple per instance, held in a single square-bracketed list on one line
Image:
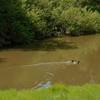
[(57, 92)]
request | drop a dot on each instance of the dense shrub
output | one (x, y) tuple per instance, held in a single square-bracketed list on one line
[(89, 21), (78, 21)]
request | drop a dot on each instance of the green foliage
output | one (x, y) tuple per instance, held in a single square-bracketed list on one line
[(89, 21), (78, 21), (14, 24), (22, 21), (57, 92)]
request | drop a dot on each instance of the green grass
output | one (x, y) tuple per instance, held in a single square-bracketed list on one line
[(57, 92)]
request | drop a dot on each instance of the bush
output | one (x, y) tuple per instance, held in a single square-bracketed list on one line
[(22, 21), (78, 21), (89, 21)]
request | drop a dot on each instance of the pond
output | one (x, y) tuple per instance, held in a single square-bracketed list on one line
[(52, 63)]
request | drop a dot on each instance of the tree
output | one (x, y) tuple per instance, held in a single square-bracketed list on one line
[(13, 22)]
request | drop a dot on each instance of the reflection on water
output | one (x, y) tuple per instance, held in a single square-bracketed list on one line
[(3, 60), (14, 72), (44, 84)]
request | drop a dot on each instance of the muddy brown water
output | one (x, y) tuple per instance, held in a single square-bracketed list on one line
[(17, 69)]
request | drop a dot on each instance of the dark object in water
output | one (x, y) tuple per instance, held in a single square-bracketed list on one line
[(75, 61), (78, 62)]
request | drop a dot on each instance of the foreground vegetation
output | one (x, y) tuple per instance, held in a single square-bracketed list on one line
[(23, 21), (57, 92)]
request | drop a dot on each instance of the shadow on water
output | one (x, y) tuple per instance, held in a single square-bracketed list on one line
[(3, 60), (50, 45)]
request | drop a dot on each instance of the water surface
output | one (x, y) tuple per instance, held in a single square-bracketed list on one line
[(17, 69)]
